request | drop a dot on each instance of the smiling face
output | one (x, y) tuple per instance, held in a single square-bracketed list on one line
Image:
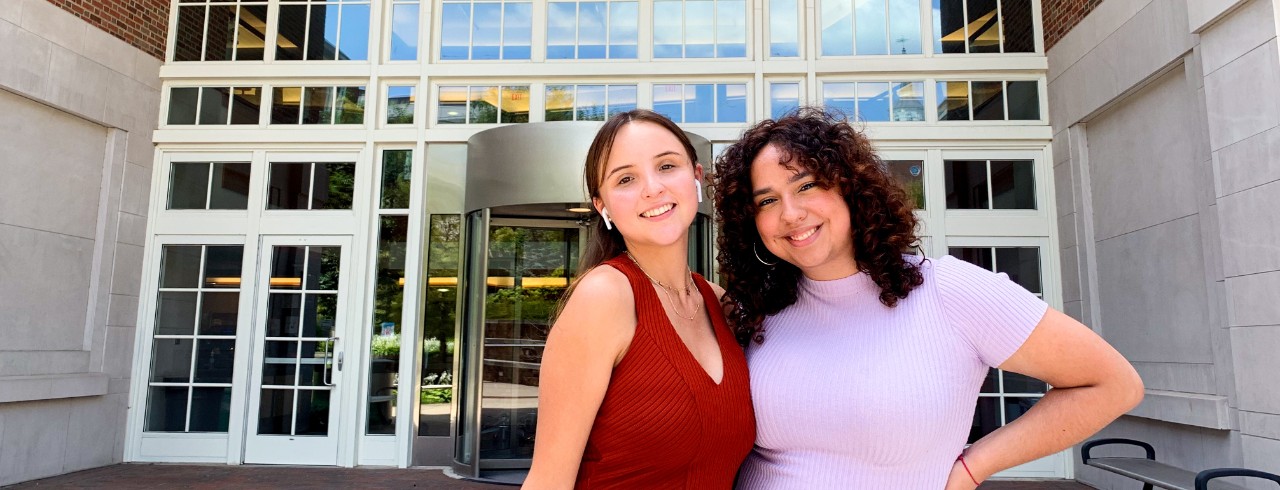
[(648, 185), (800, 220)]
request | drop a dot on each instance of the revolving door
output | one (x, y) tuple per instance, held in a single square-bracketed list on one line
[(524, 230)]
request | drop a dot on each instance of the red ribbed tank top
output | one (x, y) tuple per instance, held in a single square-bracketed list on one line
[(664, 423)]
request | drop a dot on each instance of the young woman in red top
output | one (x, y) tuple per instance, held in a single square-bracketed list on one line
[(642, 385)]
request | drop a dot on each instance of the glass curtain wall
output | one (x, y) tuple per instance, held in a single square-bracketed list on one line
[(298, 75)]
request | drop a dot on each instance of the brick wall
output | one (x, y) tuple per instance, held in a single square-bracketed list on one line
[(1060, 16), (141, 23)]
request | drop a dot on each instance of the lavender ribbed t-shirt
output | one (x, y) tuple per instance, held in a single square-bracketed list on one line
[(851, 394)]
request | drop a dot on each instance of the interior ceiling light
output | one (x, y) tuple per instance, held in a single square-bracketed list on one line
[(579, 210)]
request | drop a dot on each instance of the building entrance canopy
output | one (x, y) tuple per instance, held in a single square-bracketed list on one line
[(540, 164)]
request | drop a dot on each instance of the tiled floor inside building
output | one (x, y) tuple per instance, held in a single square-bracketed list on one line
[(132, 476)]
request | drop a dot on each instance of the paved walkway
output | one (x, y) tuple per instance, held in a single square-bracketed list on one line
[(132, 476)]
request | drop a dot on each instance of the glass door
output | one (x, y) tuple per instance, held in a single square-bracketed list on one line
[(300, 340), (530, 265)]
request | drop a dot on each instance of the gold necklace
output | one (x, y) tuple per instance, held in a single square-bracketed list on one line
[(667, 289)]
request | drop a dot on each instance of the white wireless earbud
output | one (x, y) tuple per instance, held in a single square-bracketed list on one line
[(604, 214), (698, 184)]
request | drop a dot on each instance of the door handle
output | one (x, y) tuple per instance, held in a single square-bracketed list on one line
[(328, 374)]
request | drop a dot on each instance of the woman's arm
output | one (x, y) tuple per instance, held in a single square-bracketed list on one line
[(1092, 385), (588, 339)]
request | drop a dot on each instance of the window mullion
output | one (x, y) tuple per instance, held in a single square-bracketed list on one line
[(574, 105), (337, 42), (306, 33), (577, 33), (204, 36), (502, 42), (471, 39), (888, 39), (684, 41), (199, 102), (311, 191), (235, 36), (1000, 25), (208, 189), (990, 203), (853, 28), (1004, 95)]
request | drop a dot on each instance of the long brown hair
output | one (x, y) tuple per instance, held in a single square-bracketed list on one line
[(604, 244), (840, 157)]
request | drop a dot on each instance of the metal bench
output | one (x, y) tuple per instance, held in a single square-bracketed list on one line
[(1155, 474)]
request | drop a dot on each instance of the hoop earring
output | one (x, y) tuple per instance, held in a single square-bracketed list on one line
[(698, 185), (755, 251), (604, 215)]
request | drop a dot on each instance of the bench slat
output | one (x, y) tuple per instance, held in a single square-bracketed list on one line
[(1158, 474)]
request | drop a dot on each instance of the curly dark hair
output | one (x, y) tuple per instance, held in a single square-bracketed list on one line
[(839, 157)]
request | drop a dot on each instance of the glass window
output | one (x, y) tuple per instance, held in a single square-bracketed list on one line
[(209, 185), (1023, 100), (397, 178), (910, 175), (400, 99), (388, 308), (444, 253), (701, 102), (989, 100), (1022, 266), (562, 29), (699, 29), (483, 104), (312, 186), (517, 30), (323, 30), (1019, 28), (983, 26), (404, 30), (184, 103), (592, 30), (870, 27), (220, 30), (997, 184), (668, 29), (214, 105), (486, 30), (1013, 185), (784, 97), (908, 101), (317, 105), (624, 30), (196, 319), (836, 19), (904, 27), (953, 101), (839, 99), (875, 101), (731, 28), (784, 28)]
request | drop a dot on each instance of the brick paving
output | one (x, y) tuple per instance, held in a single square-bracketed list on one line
[(135, 476)]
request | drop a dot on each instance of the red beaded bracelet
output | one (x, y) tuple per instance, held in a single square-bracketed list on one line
[(966, 468)]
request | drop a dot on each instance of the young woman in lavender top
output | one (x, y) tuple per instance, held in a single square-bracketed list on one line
[(866, 363)]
